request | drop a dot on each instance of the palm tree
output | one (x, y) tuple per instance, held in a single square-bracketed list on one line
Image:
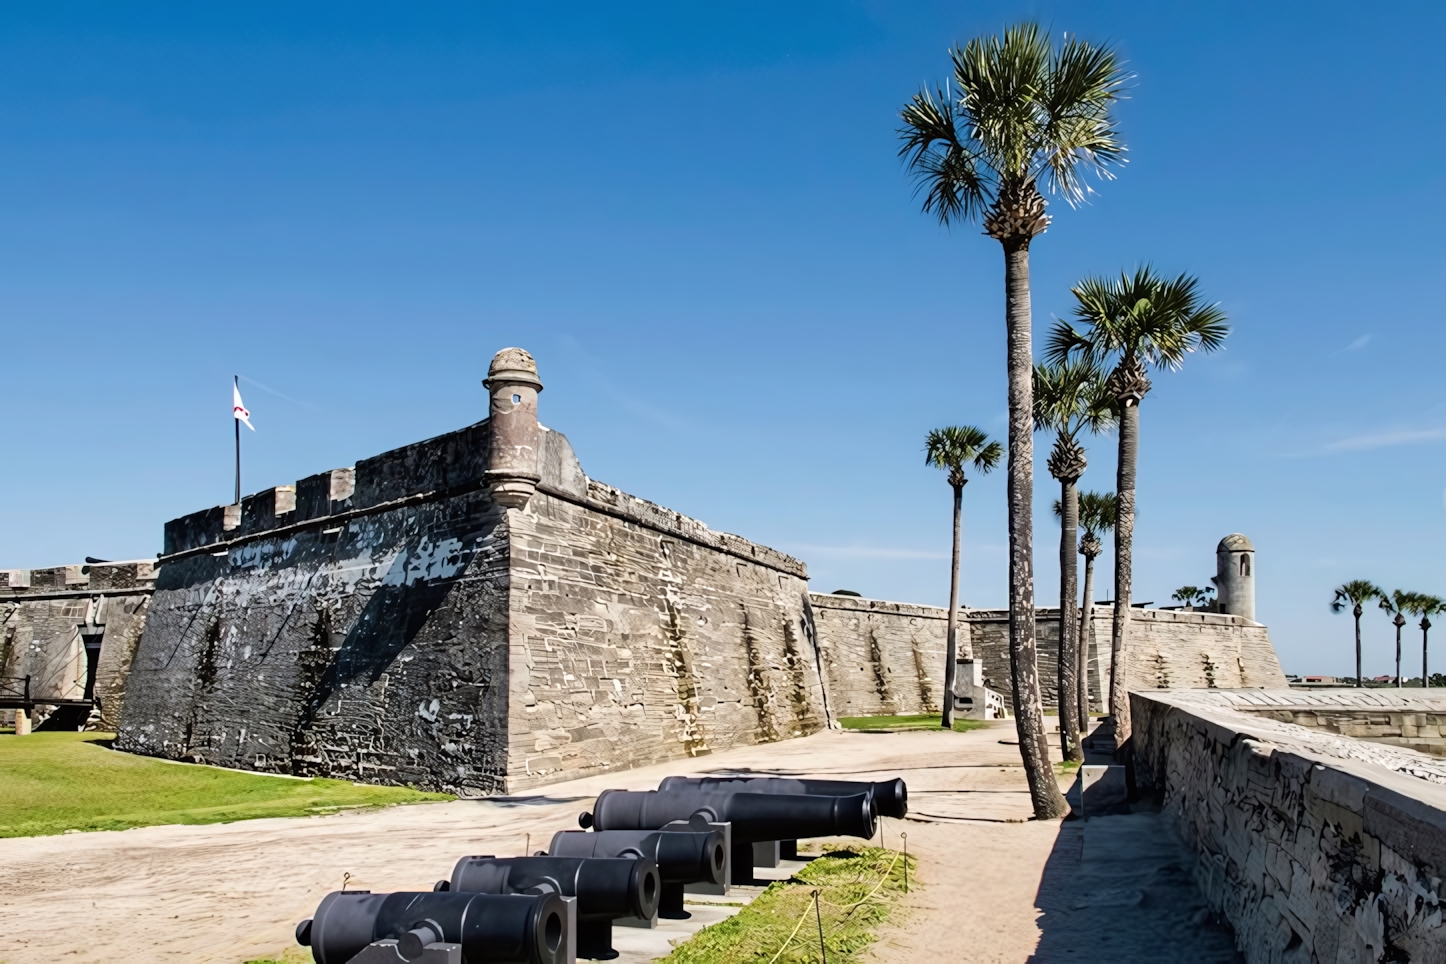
[(1354, 595), (1426, 607), (1397, 604), (952, 448), (1020, 116), (1192, 596), (1097, 512), (1069, 398), (1136, 321)]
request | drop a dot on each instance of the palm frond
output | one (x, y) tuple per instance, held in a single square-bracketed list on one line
[(1070, 396), (944, 166), (1019, 112), (1144, 316), (1357, 592), (955, 446), (1097, 511)]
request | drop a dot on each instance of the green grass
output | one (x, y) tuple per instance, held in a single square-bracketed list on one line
[(843, 878), (56, 782), (898, 723)]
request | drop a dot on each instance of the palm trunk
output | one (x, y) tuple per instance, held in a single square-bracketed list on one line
[(1124, 541), (1023, 656), (1069, 718), (1086, 622), (1425, 673), (951, 649), (1398, 655), (1357, 613)]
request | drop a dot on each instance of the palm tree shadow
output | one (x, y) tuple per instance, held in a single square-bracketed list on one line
[(1122, 889)]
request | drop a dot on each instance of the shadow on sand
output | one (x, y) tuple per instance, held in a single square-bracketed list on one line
[(1120, 889)]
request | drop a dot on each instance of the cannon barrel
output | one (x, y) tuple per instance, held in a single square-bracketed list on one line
[(683, 857), (755, 816), (606, 888), (891, 797), (492, 928)]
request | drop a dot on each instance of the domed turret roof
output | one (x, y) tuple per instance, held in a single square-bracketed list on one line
[(512, 365), (1235, 542)]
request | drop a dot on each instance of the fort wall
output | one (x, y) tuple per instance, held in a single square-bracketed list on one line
[(1315, 847), (888, 657), (73, 631), (426, 618)]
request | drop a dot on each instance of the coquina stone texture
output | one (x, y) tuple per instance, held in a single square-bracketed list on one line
[(472, 613), (73, 631), (888, 657), (1315, 847)]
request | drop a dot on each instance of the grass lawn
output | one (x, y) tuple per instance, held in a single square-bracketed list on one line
[(856, 891), (56, 782), (896, 723)]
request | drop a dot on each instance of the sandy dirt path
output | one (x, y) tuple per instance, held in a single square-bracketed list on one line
[(227, 893)]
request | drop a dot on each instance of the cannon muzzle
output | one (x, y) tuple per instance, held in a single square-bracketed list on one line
[(606, 888), (492, 928), (683, 857)]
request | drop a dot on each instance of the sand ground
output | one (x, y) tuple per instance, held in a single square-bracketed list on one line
[(998, 886)]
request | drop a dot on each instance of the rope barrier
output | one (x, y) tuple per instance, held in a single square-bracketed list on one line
[(795, 933), (818, 899)]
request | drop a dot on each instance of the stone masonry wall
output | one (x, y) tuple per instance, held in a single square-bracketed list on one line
[(1315, 847), (1170, 649), (881, 658), (393, 624), (885, 657), (353, 625), (46, 617), (639, 636)]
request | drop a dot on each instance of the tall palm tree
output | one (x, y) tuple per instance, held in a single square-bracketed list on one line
[(1397, 604), (1021, 116), (1097, 512), (1068, 399), (1426, 607), (1136, 322), (952, 448), (1354, 595)]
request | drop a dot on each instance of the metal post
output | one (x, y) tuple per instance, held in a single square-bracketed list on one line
[(236, 382), (818, 914), (906, 862)]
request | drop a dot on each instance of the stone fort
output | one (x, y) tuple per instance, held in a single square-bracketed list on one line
[(473, 613)]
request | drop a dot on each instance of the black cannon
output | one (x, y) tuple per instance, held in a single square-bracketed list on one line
[(491, 929), (682, 857), (754, 816), (891, 797), (606, 888)]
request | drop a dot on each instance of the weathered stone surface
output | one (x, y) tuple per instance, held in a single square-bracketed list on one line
[(414, 631), (1315, 847), (47, 618), (887, 657)]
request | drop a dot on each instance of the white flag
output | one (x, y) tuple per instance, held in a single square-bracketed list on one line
[(239, 410)]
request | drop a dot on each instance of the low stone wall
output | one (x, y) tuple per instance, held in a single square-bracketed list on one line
[(1414, 719), (61, 626), (1315, 847), (888, 657)]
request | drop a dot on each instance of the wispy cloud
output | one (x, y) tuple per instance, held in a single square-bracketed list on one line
[(1384, 440), (1356, 345), (869, 552)]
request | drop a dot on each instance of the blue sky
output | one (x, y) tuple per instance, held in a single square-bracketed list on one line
[(693, 216)]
